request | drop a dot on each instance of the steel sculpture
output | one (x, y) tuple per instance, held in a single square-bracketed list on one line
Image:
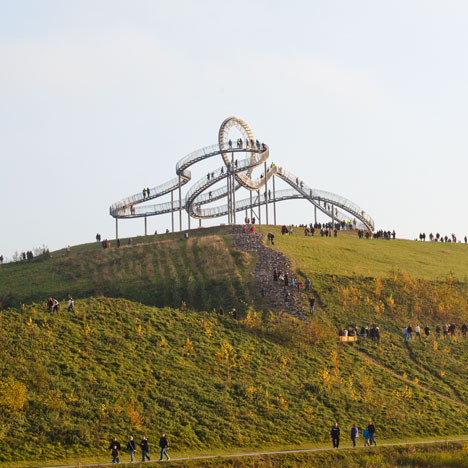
[(240, 156)]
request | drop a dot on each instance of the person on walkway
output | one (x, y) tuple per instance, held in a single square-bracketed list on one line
[(131, 447), (144, 449), (115, 454), (371, 429), (50, 303), (163, 444), (335, 434), (71, 304), (365, 434), (405, 334), (144, 193), (354, 434), (55, 305)]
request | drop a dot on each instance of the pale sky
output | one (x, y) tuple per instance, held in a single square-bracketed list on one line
[(366, 99)]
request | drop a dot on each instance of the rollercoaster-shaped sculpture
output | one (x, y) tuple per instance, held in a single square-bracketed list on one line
[(241, 153)]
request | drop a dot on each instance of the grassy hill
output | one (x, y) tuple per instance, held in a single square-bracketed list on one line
[(164, 270), (69, 382)]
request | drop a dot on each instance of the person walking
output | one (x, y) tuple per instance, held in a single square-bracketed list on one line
[(335, 434), (354, 433), (365, 434), (311, 304), (144, 449), (418, 332), (115, 454), (163, 444), (71, 304), (131, 447), (409, 331), (371, 429)]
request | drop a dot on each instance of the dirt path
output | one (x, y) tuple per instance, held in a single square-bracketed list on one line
[(409, 381), (259, 454), (267, 260)]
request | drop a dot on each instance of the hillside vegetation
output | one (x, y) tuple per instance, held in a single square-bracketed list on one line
[(164, 270), (69, 382)]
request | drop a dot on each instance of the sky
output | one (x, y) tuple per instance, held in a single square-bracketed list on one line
[(365, 99)]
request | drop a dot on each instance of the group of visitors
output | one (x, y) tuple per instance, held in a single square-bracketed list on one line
[(377, 235), (368, 435), (146, 193), (439, 238), (366, 332), (447, 330), (232, 314), (248, 143), (291, 282), (116, 448), (53, 304)]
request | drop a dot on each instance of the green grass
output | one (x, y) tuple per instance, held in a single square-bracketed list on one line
[(347, 255), (162, 270), (214, 384)]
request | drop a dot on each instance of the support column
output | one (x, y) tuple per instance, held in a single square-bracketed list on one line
[(180, 206), (146, 226), (199, 222), (259, 208), (315, 213), (228, 192), (274, 201), (251, 205), (116, 228), (333, 217), (188, 216), (172, 210), (266, 193), (233, 188)]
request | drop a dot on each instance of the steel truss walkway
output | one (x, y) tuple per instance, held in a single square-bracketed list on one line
[(239, 159)]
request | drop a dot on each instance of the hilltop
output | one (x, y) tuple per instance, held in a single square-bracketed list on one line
[(157, 356)]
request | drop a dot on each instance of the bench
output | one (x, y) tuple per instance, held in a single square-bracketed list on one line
[(347, 338)]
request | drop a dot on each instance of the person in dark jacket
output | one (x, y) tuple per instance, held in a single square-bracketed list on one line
[(114, 442), (354, 434), (371, 429), (335, 433), (163, 444), (115, 454), (144, 449), (131, 447)]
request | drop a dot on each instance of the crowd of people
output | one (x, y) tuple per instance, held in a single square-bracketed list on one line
[(438, 238), (368, 435), (447, 330), (377, 235), (290, 281), (116, 448)]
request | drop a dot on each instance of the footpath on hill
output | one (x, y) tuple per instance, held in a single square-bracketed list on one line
[(262, 454), (409, 381), (267, 260)]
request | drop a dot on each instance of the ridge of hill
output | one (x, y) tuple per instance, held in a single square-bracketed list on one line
[(163, 270)]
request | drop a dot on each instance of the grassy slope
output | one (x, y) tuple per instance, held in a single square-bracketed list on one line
[(287, 382), (157, 270)]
